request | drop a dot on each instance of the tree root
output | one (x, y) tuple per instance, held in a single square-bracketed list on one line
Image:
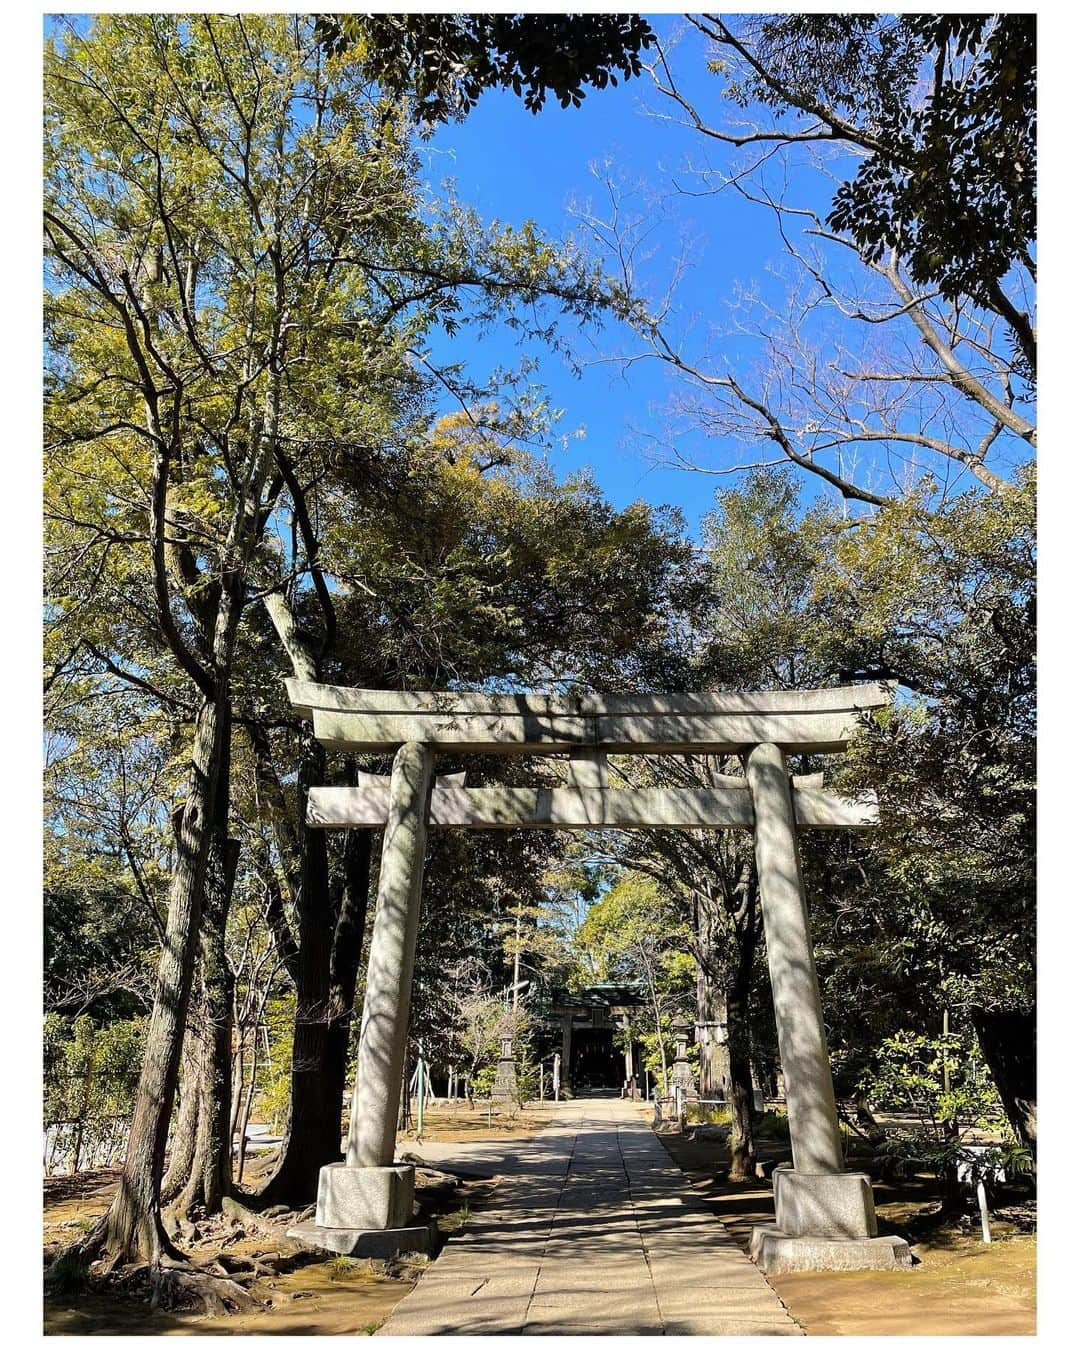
[(255, 1222), (260, 1265), (218, 1294), (179, 1226), (70, 1266), (226, 1284)]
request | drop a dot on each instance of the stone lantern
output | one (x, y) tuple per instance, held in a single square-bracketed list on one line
[(505, 1088), (682, 1074)]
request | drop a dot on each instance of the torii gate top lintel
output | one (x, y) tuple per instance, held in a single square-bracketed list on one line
[(799, 721)]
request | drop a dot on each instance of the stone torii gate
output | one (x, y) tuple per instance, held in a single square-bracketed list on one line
[(824, 1214)]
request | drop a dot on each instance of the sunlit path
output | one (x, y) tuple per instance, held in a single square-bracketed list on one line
[(592, 1231)]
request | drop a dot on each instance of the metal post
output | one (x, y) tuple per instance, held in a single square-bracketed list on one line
[(420, 1074)]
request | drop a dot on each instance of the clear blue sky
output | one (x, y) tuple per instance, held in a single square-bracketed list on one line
[(513, 165)]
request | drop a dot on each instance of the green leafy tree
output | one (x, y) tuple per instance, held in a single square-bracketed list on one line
[(446, 61), (953, 1101), (934, 909), (90, 1077), (239, 269)]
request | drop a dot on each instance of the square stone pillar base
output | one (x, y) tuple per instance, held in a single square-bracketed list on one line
[(775, 1252), (822, 1204), (364, 1196), (505, 1087), (364, 1211), (824, 1221)]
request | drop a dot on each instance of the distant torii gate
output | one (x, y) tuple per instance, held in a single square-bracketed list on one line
[(824, 1215)]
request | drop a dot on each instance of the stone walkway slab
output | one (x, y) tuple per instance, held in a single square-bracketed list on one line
[(591, 1231)]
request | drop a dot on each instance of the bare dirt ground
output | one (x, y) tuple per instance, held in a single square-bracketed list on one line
[(459, 1123), (312, 1294), (960, 1286)]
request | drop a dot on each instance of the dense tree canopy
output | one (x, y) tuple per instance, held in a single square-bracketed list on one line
[(446, 61)]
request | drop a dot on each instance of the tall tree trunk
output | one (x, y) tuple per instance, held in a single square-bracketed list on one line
[(238, 1075), (345, 959), (133, 1225), (741, 1090), (182, 1138), (313, 1132), (210, 1178), (244, 1115), (713, 1076), (738, 1038), (657, 1021), (1007, 1041), (324, 960)]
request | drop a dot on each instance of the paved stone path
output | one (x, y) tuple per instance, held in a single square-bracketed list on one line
[(592, 1231)]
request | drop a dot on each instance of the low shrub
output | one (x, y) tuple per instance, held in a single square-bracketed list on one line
[(772, 1124), (707, 1114)]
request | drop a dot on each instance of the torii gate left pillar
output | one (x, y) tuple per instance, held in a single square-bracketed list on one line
[(365, 1204)]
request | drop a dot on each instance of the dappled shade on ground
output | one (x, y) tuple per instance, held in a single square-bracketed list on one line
[(959, 1285)]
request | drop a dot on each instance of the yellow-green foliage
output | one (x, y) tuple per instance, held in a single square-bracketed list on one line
[(708, 1114), (274, 1088), (91, 1072)]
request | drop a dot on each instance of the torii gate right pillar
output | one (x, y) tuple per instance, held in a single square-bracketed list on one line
[(824, 1214)]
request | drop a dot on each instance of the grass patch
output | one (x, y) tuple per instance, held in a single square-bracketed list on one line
[(708, 1114), (344, 1269)]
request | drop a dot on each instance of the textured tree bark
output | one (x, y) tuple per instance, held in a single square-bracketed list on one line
[(243, 1116), (723, 993), (738, 1043), (133, 1224), (312, 1137), (1007, 1040), (210, 1178), (182, 1139), (352, 906), (713, 1074)]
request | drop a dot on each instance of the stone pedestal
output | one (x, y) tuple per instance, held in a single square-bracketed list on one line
[(364, 1196), (777, 1253), (825, 1221), (505, 1087), (840, 1205), (365, 1211), (374, 1244)]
